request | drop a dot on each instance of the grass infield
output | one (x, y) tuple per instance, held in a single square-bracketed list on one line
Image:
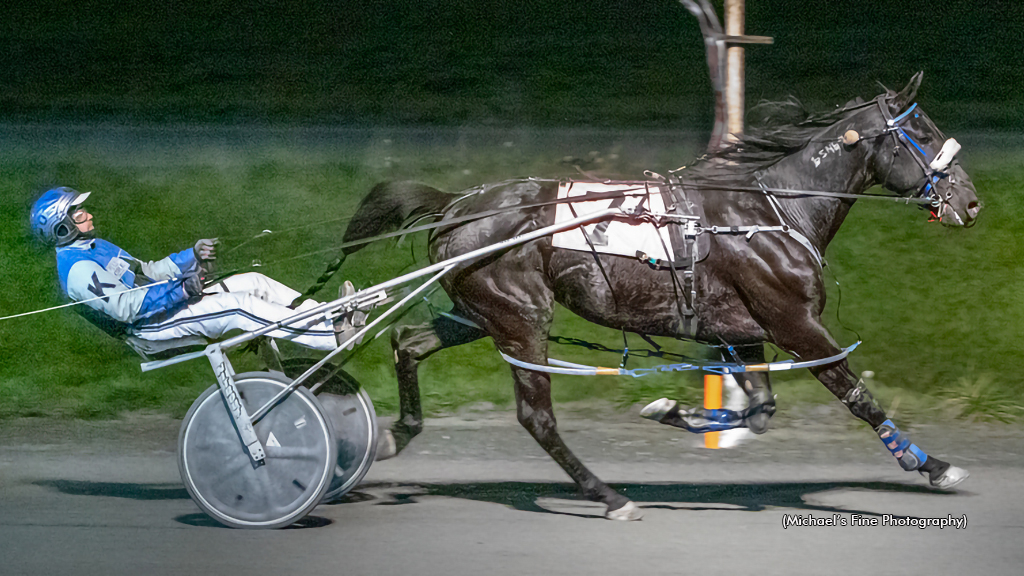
[(939, 309)]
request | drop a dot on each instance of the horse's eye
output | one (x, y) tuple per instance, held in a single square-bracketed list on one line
[(926, 138)]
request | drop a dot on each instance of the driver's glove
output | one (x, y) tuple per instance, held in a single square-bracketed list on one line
[(206, 249)]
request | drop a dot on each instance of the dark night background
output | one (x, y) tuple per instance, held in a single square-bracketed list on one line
[(225, 118), (612, 63)]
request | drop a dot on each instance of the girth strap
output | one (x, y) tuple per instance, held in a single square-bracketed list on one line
[(684, 232)]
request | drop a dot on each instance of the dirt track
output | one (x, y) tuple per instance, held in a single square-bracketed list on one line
[(475, 495)]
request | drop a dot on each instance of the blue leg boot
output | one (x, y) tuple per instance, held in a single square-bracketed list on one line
[(940, 474)]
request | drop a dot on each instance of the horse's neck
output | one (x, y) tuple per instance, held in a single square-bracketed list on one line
[(826, 166)]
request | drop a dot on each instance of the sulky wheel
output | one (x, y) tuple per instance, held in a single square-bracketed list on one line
[(300, 455), (353, 418)]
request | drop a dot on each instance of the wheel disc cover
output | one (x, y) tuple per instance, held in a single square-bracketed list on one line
[(299, 458)]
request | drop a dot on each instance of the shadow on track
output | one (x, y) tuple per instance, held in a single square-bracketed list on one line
[(202, 520), (524, 496), (116, 489), (531, 496), (155, 492)]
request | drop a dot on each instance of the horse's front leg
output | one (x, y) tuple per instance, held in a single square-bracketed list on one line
[(811, 340), (412, 345), (854, 394)]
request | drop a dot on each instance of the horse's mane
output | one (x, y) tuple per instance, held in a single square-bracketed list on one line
[(775, 130)]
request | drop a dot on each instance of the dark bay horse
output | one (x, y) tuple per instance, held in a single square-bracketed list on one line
[(749, 290)]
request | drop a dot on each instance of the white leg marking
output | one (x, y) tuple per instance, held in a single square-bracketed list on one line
[(954, 476), (628, 512)]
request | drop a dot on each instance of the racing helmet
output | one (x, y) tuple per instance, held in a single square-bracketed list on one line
[(50, 217)]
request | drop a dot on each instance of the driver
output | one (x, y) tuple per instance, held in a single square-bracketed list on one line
[(176, 304)]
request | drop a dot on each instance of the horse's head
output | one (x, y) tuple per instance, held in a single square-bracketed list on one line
[(912, 157)]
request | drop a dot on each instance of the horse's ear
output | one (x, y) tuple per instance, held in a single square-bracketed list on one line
[(906, 96)]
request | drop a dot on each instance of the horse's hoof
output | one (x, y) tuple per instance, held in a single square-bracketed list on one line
[(658, 409), (386, 445), (950, 478), (758, 423), (628, 512)]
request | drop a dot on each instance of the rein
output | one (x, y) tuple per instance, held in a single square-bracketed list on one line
[(893, 127), (793, 192), (104, 297), (926, 196), (640, 190)]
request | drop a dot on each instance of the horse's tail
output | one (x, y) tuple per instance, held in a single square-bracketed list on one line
[(389, 205)]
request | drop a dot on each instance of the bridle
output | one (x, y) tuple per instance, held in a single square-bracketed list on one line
[(933, 172)]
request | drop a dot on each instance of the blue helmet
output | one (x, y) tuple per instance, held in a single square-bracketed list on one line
[(49, 217)]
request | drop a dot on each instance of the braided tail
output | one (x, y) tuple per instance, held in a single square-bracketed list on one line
[(385, 209), (389, 205), (324, 278)]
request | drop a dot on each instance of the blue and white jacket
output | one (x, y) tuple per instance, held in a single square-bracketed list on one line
[(92, 268)]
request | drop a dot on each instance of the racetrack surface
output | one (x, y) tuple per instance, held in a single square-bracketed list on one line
[(475, 495)]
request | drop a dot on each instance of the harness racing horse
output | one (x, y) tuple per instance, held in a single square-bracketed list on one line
[(750, 289)]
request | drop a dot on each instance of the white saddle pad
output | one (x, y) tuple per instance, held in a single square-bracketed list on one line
[(612, 237)]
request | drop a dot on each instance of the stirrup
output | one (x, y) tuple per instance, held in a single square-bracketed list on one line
[(357, 316), (346, 325)]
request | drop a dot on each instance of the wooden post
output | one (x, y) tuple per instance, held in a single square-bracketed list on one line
[(725, 64), (735, 11), (712, 401)]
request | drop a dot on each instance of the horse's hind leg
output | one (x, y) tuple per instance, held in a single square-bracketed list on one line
[(755, 384), (536, 414), (758, 389), (527, 342), (513, 302), (412, 345)]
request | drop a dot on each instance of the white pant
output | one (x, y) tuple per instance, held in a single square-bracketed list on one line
[(244, 302)]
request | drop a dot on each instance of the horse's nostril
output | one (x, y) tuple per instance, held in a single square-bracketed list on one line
[(973, 209)]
